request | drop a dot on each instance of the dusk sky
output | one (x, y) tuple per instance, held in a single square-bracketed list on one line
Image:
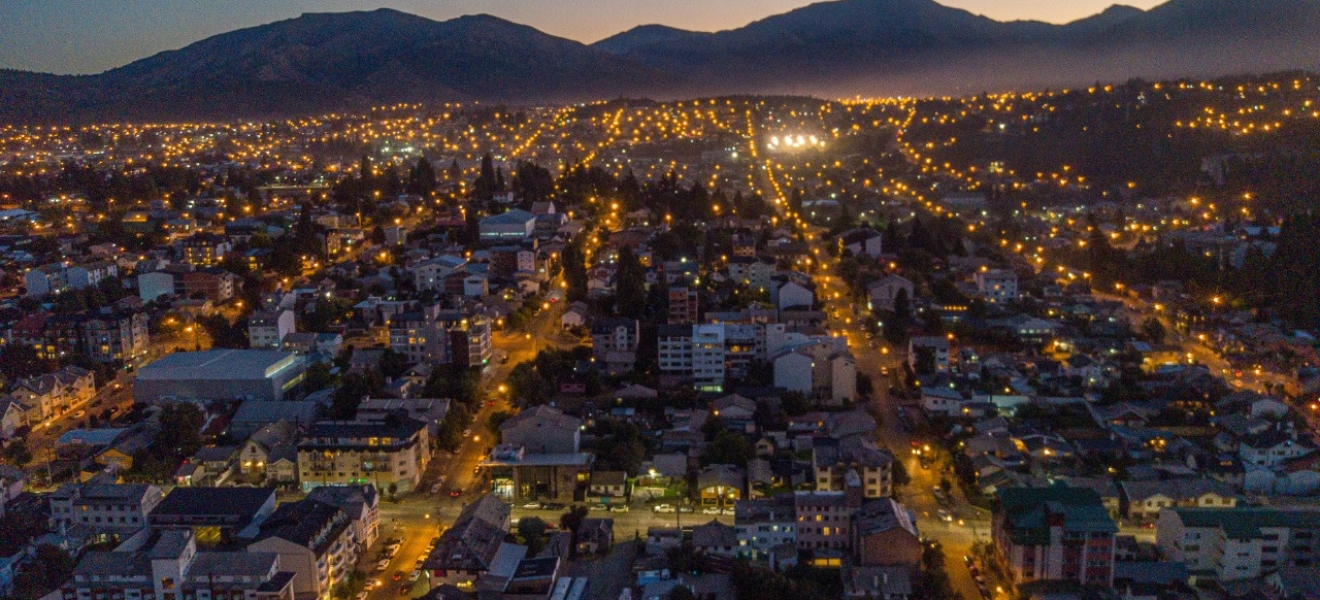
[(89, 36)]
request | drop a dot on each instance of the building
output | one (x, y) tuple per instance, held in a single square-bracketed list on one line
[(614, 344), (1143, 500), (540, 457), (938, 347), (55, 393), (753, 272), (267, 328), (390, 455), (362, 505), (684, 304), (58, 278), (824, 524), (884, 291), (204, 249), (877, 583), (468, 549), (884, 534), (832, 460), (220, 375), (152, 286), (431, 274), (1239, 543), (789, 294), (862, 241), (1054, 534), (170, 567), (214, 284), (314, 541), (674, 350), (765, 524), (214, 514), (997, 286), (512, 226), (543, 430), (708, 358), (103, 508), (104, 336)]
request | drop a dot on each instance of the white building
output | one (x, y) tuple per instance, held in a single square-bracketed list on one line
[(708, 357), (1239, 543), (884, 291), (267, 328), (430, 274), (997, 286), (154, 285)]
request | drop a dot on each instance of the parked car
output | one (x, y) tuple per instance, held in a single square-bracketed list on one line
[(532, 505), (362, 595), (686, 509), (945, 516), (619, 508), (710, 510), (728, 512), (435, 488), (554, 506), (663, 508), (415, 575)]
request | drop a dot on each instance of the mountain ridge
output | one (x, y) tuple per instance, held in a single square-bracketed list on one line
[(325, 61)]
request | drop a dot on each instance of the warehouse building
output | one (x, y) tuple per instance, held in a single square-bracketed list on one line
[(220, 375)]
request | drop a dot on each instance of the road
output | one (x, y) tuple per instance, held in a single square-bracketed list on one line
[(969, 523), (417, 518)]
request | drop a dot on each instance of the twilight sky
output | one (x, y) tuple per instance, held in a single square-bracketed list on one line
[(89, 36)]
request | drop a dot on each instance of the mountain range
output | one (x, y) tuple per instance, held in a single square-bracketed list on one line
[(325, 62)]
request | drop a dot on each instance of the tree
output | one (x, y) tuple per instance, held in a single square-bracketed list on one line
[(630, 285), (317, 377), (1153, 329), (681, 592), (575, 271), (19, 361), (180, 433), (16, 453), (897, 324), (795, 403), (485, 186), (571, 521), (532, 531), (355, 386), (49, 568), (728, 448), (421, 178)]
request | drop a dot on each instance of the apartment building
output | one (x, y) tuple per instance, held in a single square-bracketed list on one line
[(388, 454), (315, 541), (267, 328), (103, 508), (997, 286), (1229, 544), (168, 566), (1055, 534)]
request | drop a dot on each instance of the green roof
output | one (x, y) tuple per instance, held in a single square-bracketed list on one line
[(1025, 511), (1246, 523)]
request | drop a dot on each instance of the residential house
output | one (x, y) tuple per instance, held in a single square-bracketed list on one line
[(470, 546)]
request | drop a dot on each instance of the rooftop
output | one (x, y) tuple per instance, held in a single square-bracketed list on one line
[(218, 365)]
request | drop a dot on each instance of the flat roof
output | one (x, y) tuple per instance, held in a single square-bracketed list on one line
[(220, 365)]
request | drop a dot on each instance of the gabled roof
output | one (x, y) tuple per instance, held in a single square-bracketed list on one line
[(474, 539)]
